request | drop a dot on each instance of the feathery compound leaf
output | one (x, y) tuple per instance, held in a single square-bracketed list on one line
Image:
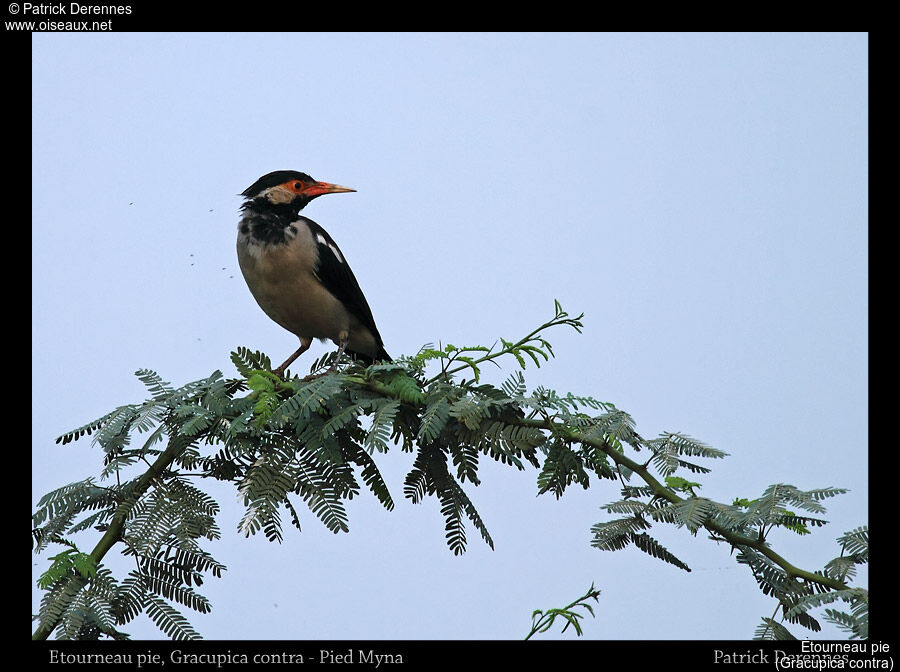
[(435, 417), (465, 458), (472, 514), (807, 602), (372, 478), (514, 386), (804, 620), (819, 494), (503, 442), (169, 620), (855, 625), (856, 542), (692, 512), (615, 426), (114, 434), (379, 434), (666, 463), (616, 534), (455, 527), (159, 389), (163, 584), (415, 485), (325, 502), (771, 579), (70, 561), (562, 466), (727, 515), (842, 568), (307, 401), (87, 428), (247, 361), (652, 547), (470, 411), (631, 506), (799, 524), (61, 511), (406, 388), (674, 443), (541, 621), (771, 629), (195, 419), (344, 418), (455, 502), (778, 495)]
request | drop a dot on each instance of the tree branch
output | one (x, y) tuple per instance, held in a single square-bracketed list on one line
[(116, 529), (666, 493)]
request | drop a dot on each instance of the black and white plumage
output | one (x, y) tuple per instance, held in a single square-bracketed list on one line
[(296, 271)]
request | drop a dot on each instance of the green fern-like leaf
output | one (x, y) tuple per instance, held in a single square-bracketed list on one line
[(372, 477), (771, 579), (69, 561), (629, 506), (324, 501), (514, 386), (771, 629), (562, 467), (465, 458), (71, 500), (164, 584), (379, 434), (455, 527), (652, 547), (247, 361), (87, 428), (158, 388), (345, 417), (415, 485), (470, 411), (807, 602), (692, 512), (435, 418), (406, 388), (681, 444), (308, 400), (615, 535), (856, 543), (472, 513), (168, 619), (853, 625)]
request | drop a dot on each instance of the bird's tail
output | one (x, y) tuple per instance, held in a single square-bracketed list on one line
[(368, 360)]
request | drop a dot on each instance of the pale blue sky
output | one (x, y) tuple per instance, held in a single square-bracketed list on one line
[(702, 198)]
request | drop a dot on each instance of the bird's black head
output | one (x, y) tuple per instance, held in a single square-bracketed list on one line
[(290, 187)]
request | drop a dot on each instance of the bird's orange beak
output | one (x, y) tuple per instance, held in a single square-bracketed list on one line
[(319, 188)]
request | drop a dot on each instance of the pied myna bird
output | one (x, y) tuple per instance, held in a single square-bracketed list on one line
[(297, 273)]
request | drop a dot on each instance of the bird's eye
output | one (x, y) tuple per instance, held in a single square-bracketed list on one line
[(298, 186)]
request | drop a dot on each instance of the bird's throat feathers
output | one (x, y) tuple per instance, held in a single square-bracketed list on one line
[(267, 223)]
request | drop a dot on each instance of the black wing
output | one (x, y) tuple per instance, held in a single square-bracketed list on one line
[(335, 274)]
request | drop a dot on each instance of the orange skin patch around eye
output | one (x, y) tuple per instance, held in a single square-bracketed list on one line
[(311, 189)]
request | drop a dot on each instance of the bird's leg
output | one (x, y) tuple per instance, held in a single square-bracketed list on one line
[(304, 346), (344, 339)]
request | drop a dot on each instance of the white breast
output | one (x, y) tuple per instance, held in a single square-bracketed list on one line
[(282, 279)]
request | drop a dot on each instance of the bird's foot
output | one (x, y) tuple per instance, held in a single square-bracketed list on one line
[(304, 346)]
